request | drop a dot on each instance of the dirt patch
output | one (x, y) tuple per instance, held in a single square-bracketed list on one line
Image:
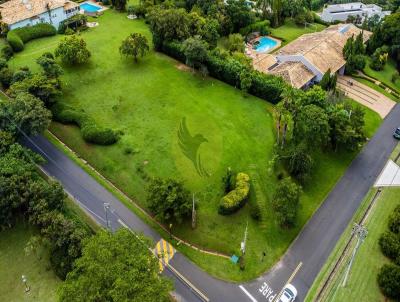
[(183, 67)]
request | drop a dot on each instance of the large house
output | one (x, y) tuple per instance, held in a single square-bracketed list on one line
[(305, 60), (20, 13), (341, 12)]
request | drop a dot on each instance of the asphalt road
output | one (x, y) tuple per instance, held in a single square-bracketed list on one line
[(308, 252)]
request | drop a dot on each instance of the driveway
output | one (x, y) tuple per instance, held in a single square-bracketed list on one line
[(302, 261), (365, 95)]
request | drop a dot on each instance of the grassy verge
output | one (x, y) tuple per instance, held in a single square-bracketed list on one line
[(14, 263), (361, 284)]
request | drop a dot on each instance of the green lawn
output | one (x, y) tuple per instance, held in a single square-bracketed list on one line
[(14, 263), (148, 101), (291, 31), (385, 75), (361, 285)]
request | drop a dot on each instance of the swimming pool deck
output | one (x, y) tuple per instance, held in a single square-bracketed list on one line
[(259, 57)]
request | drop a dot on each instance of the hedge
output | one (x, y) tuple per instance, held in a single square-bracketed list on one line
[(17, 37), (227, 69), (236, 198), (91, 132)]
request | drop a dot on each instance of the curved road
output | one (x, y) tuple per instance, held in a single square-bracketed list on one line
[(306, 255)]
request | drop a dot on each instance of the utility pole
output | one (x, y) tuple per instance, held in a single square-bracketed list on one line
[(106, 208), (193, 214), (361, 232), (243, 243)]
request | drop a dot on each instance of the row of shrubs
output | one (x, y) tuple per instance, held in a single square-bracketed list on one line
[(91, 132), (381, 85), (228, 70), (236, 198), (389, 274), (19, 36)]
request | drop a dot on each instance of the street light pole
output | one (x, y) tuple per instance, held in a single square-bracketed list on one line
[(361, 232), (106, 207)]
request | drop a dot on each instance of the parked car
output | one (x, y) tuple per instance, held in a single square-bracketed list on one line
[(289, 294), (396, 133)]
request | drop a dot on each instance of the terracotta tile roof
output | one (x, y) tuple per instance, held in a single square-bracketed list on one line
[(264, 63), (324, 49), (17, 10), (295, 73)]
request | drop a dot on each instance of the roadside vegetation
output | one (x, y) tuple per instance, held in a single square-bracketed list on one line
[(363, 278)]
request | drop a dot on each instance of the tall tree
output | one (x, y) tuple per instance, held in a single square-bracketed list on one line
[(285, 202), (168, 199), (115, 267), (26, 113), (134, 45), (73, 50)]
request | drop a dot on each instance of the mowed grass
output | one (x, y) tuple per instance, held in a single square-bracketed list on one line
[(147, 102), (14, 263), (385, 75), (291, 31)]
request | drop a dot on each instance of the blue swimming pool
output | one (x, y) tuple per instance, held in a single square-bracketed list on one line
[(265, 44), (91, 8)]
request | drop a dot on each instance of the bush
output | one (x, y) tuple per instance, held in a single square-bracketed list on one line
[(17, 37), (389, 281), (394, 221), (74, 22), (255, 211), (7, 52), (91, 132), (6, 76), (261, 27), (236, 198), (285, 202), (390, 245), (3, 64)]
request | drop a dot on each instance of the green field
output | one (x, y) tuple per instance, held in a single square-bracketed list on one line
[(291, 31), (361, 285), (15, 262), (148, 102), (385, 75)]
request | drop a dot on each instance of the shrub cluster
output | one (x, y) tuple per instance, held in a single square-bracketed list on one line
[(74, 22), (236, 198), (17, 37), (389, 274), (91, 132), (228, 70)]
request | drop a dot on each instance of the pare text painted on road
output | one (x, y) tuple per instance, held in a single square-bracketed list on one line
[(267, 292)]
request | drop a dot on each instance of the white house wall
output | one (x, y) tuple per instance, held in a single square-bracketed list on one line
[(55, 17)]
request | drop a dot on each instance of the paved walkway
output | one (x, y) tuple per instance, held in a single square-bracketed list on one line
[(390, 176), (366, 95)]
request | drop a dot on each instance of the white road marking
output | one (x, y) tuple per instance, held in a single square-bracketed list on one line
[(247, 293)]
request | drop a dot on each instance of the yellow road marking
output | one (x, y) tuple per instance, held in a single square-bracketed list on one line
[(164, 251), (289, 280)]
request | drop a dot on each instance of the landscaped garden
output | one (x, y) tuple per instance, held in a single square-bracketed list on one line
[(386, 75), (16, 261), (148, 103)]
